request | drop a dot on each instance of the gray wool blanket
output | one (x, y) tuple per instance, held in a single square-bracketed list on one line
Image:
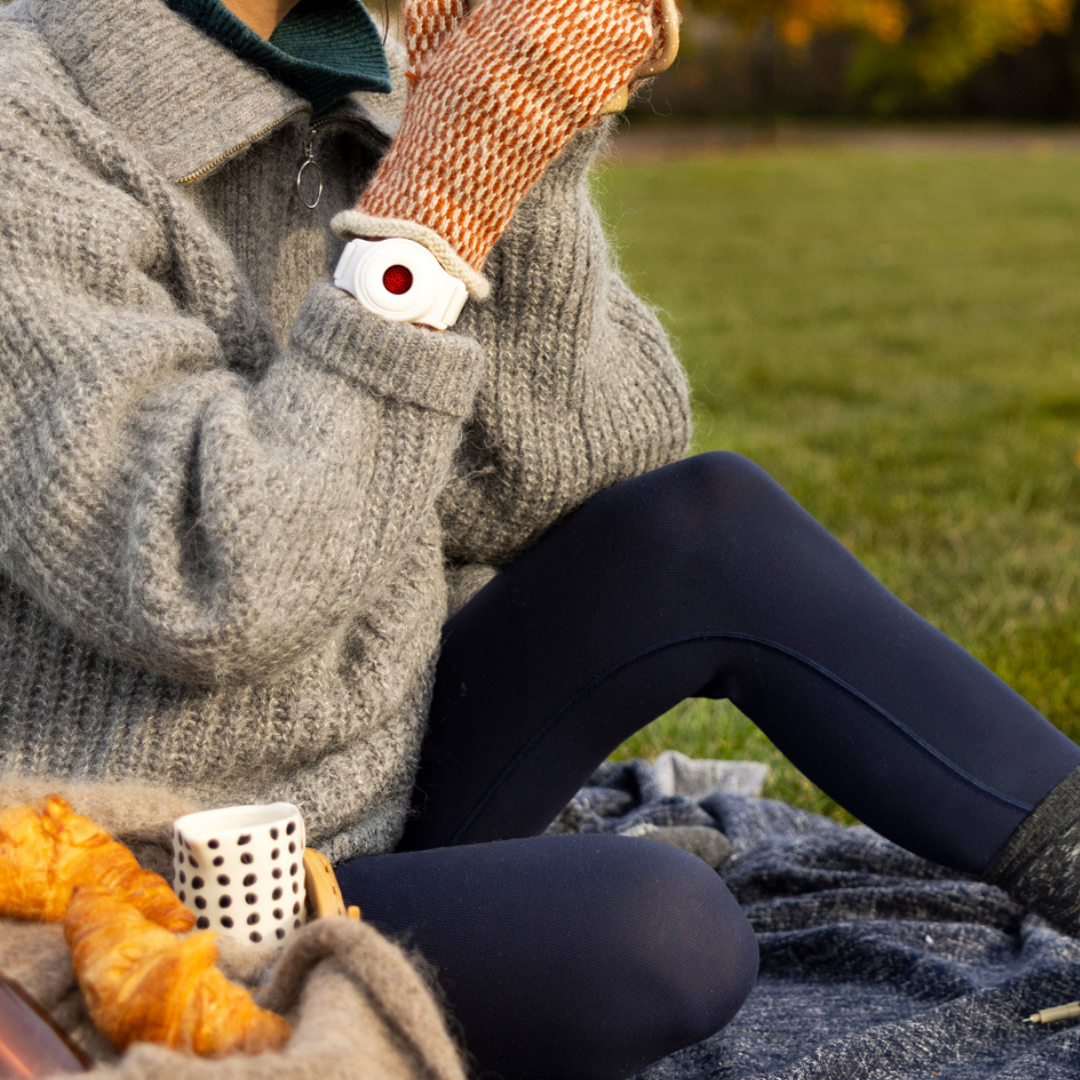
[(874, 963)]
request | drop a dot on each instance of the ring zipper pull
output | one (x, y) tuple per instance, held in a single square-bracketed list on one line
[(309, 162)]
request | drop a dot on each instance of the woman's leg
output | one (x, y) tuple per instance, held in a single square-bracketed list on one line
[(567, 957), (706, 579)]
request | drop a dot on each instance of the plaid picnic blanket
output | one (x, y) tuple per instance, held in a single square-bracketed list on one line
[(874, 963)]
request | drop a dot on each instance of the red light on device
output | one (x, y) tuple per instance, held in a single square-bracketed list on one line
[(397, 280)]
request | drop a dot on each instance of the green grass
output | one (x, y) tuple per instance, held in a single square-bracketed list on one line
[(894, 337)]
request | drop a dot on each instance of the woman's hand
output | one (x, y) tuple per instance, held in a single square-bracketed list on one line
[(495, 97)]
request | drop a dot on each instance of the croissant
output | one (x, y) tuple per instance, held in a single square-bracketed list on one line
[(48, 849), (142, 982)]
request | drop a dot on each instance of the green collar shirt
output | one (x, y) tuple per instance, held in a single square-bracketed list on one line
[(323, 49)]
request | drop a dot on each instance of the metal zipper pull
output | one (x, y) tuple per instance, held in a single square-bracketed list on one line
[(309, 163)]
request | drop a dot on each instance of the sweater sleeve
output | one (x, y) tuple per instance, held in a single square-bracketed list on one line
[(582, 389), (178, 490)]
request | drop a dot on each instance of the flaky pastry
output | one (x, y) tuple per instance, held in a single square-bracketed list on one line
[(46, 850), (144, 983)]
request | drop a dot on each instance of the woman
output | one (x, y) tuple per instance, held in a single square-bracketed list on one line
[(240, 502)]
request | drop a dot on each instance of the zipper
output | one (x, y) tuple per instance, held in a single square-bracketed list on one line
[(309, 162), (378, 136), (210, 166), (344, 118)]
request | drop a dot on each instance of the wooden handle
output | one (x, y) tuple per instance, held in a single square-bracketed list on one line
[(669, 27), (324, 897), (618, 101)]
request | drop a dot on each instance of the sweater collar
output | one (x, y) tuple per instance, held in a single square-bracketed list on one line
[(186, 100), (323, 49)]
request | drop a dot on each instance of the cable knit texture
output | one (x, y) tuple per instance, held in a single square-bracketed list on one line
[(234, 499)]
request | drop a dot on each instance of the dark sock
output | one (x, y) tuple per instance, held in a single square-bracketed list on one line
[(1040, 864)]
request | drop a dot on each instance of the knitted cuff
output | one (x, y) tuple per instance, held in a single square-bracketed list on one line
[(410, 364), (1040, 864)]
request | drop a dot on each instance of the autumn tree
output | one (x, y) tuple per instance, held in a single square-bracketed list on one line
[(798, 20), (947, 41), (929, 44)]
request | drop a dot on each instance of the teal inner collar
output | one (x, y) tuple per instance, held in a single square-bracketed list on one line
[(323, 49)]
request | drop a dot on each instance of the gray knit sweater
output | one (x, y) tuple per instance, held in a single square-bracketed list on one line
[(233, 500)]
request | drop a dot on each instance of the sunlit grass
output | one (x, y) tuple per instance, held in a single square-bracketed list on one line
[(894, 337)]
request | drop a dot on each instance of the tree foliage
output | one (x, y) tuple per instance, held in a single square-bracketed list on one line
[(930, 45), (798, 20), (948, 40), (958, 36)]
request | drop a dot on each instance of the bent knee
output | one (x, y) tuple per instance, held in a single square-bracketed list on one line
[(691, 502), (713, 953), (720, 483), (694, 949)]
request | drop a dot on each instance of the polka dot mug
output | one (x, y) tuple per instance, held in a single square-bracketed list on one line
[(241, 870)]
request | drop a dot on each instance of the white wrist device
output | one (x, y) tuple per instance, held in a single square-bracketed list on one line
[(400, 280)]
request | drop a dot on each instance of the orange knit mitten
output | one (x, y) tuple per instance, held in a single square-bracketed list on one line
[(495, 97)]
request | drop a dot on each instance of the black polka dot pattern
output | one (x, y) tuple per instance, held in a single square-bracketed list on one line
[(216, 893)]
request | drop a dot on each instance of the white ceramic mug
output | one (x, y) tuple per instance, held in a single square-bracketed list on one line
[(241, 870)]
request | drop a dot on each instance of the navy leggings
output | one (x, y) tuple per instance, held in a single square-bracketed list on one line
[(590, 957)]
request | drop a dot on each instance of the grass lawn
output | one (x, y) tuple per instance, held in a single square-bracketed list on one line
[(894, 337)]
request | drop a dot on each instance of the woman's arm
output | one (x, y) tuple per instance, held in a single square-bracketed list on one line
[(202, 523), (583, 389)]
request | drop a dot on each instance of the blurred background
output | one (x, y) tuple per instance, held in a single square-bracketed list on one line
[(1001, 59)]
